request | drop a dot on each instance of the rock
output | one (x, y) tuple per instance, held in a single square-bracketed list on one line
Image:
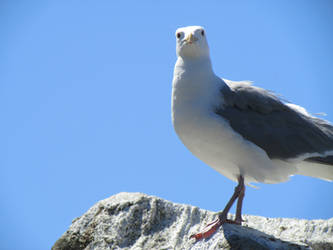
[(139, 221)]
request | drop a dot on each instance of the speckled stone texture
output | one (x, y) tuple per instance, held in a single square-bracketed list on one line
[(139, 221)]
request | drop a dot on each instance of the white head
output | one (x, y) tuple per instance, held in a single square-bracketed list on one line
[(191, 42)]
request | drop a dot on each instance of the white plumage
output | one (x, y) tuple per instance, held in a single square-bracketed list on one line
[(195, 94), (244, 132)]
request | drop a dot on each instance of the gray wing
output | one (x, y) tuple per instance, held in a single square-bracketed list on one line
[(284, 133)]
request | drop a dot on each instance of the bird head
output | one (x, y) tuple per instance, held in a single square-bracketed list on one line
[(192, 42)]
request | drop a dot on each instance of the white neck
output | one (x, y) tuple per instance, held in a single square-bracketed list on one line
[(195, 87), (201, 65)]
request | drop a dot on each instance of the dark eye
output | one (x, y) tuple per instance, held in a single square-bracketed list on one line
[(178, 35), (202, 32)]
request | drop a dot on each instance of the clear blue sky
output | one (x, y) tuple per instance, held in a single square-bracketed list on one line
[(85, 103)]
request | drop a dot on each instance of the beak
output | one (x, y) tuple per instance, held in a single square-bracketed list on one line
[(190, 38)]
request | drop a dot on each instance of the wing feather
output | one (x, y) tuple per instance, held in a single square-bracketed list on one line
[(282, 131)]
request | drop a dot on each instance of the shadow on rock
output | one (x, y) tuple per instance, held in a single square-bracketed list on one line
[(242, 237)]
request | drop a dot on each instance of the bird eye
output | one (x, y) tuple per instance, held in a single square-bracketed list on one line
[(202, 32), (178, 35)]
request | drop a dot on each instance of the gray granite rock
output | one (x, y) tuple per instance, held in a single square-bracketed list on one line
[(139, 221)]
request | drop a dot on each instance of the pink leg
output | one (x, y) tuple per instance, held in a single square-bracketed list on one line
[(211, 228), (239, 219)]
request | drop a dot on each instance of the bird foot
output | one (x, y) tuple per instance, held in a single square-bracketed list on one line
[(212, 227), (208, 231)]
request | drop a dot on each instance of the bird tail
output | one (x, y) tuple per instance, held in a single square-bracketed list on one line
[(319, 167)]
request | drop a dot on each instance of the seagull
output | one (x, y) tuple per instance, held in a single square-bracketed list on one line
[(244, 132)]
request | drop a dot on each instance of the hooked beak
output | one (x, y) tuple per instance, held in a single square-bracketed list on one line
[(190, 38)]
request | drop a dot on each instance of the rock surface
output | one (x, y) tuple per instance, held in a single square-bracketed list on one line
[(139, 221)]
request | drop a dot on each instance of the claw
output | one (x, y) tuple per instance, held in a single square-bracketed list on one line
[(212, 227), (208, 231)]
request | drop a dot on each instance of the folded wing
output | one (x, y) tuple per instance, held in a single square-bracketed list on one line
[(281, 130)]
